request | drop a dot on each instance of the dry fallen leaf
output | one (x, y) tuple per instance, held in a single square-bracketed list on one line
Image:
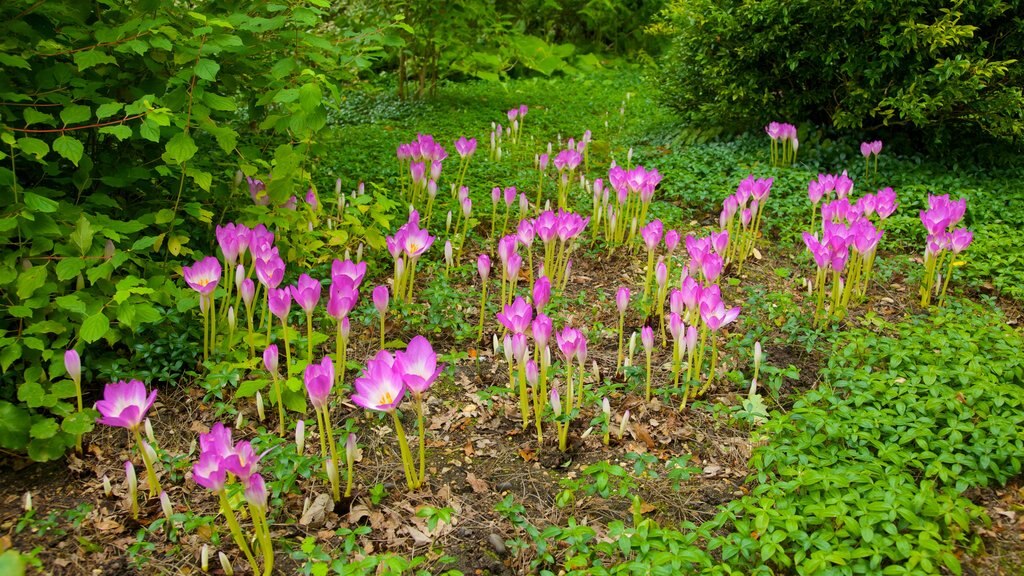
[(479, 485), (526, 454)]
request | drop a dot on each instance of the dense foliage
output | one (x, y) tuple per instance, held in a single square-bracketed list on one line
[(862, 65)]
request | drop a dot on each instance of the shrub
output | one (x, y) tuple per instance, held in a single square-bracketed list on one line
[(861, 65)]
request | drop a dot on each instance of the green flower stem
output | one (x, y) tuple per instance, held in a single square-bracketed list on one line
[(524, 400), (236, 530), (403, 445), (382, 316), (648, 277), (618, 356), (350, 462), (711, 371), (280, 404), (942, 297), (309, 337), (263, 537), (483, 305), (423, 444), (287, 348), (213, 323), (78, 395), (154, 484), (647, 392), (206, 335), (329, 432)]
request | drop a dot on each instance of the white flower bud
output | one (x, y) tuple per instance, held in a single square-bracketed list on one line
[(623, 423), (238, 421), (204, 558), (107, 488), (225, 563), (259, 406), (300, 436), (165, 504), (149, 431)]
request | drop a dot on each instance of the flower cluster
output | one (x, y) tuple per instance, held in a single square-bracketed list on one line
[(383, 386), (784, 142), (869, 149), (420, 163), (944, 242), (849, 239), (620, 216), (516, 117), (220, 462), (124, 405), (741, 216), (406, 246)]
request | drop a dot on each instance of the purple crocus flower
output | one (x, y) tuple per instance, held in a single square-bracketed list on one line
[(280, 302), (306, 293), (319, 378), (381, 387), (418, 365), (203, 276), (125, 404), (381, 297), (516, 317)]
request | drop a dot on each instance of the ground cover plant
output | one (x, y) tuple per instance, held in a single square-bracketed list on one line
[(528, 328)]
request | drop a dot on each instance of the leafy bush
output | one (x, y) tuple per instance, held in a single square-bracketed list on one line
[(859, 65), (146, 110), (866, 474)]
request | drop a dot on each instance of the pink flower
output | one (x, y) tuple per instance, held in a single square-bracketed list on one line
[(525, 233), (865, 149), (306, 293), (380, 297), (876, 147), (256, 491), (465, 147), (711, 266), (319, 379), (622, 299), (73, 364), (651, 234), (483, 266), (125, 404), (541, 327), (280, 302), (815, 191), (672, 239), (570, 341), (647, 337), (381, 387), (243, 461), (418, 365), (541, 292), (516, 317), (349, 269), (270, 358), (233, 241), (716, 316), (343, 295), (270, 270), (209, 472), (885, 203), (203, 276), (960, 239)]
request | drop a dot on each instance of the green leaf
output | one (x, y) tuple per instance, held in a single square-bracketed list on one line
[(82, 236), (64, 389), (202, 179), (38, 203), (14, 425), (90, 58), (120, 131), (71, 303), (150, 130), (70, 148), (218, 102), (249, 388), (80, 422), (68, 268), (181, 148), (75, 113), (34, 147), (32, 394), (44, 428), (207, 69), (310, 97), (108, 109), (94, 327), (16, 62), (31, 280), (44, 450), (33, 116), (9, 354)]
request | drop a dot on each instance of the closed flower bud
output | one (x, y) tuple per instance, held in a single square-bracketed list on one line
[(623, 423), (107, 488), (259, 406), (204, 558), (225, 564), (238, 421), (606, 407), (165, 505), (148, 426), (300, 436)]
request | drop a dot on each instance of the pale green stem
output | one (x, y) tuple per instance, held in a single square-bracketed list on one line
[(154, 484), (236, 530)]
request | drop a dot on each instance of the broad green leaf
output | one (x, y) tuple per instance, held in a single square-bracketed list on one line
[(75, 113), (44, 428), (202, 179), (218, 102), (69, 267), (33, 116), (14, 425), (90, 58), (82, 236), (38, 203), (150, 130), (207, 69), (64, 389), (108, 109), (34, 147), (70, 148), (31, 280), (32, 394), (9, 354), (14, 61), (119, 131), (310, 97), (44, 450), (249, 388), (80, 422), (94, 327), (181, 148)]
